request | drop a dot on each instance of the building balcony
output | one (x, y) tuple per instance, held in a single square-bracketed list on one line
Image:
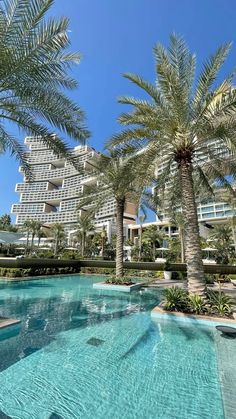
[(31, 187), (49, 218), (53, 196), (89, 180)]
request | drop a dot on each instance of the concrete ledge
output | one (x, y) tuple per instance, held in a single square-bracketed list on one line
[(6, 322), (116, 287), (159, 313)]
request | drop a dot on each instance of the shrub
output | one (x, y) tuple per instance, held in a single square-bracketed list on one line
[(219, 303), (119, 281), (210, 278), (197, 304), (176, 299)]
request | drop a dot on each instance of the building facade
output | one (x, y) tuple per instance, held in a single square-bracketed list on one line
[(51, 195)]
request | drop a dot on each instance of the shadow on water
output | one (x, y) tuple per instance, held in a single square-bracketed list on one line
[(3, 416), (143, 339), (43, 318)]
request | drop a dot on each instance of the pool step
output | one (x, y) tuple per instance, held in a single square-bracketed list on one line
[(7, 322)]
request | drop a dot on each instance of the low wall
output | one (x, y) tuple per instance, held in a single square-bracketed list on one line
[(144, 266), (153, 266)]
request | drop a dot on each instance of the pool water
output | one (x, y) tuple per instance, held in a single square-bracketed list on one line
[(85, 353)]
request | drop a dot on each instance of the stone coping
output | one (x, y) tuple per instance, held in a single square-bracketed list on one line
[(6, 322), (117, 287), (158, 312)]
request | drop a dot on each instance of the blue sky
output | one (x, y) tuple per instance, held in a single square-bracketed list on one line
[(117, 36)]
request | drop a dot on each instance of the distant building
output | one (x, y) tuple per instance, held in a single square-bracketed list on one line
[(51, 196)]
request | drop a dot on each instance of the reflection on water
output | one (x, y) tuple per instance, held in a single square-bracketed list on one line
[(47, 307)]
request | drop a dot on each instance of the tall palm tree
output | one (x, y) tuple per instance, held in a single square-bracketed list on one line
[(85, 224), (58, 234), (115, 177), (34, 64), (188, 126)]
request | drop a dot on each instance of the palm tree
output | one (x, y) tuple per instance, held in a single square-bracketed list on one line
[(5, 222), (141, 218), (85, 224), (103, 240), (39, 232), (115, 177), (34, 227), (27, 229), (178, 220), (58, 234), (151, 235), (222, 240), (34, 64), (188, 126)]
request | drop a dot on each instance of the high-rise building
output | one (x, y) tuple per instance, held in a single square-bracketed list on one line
[(51, 195)]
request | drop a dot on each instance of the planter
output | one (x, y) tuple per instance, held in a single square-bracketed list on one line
[(117, 287), (193, 319), (167, 275)]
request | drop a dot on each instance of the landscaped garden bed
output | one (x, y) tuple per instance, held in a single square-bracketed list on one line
[(125, 284), (179, 304)]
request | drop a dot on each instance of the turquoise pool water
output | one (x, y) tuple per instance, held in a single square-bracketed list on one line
[(84, 353)]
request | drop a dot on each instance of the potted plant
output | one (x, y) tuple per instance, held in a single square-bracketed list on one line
[(167, 270)]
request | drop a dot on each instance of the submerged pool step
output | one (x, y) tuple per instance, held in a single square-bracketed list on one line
[(7, 322)]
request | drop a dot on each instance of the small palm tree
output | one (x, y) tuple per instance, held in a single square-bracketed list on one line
[(59, 235), (34, 63), (85, 224), (39, 232), (187, 126), (27, 229), (103, 240), (222, 241), (116, 177), (141, 219), (5, 222), (151, 235), (34, 227)]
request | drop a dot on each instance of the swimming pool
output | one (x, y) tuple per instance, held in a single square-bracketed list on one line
[(84, 353)]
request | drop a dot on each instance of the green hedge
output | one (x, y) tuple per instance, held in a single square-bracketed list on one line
[(20, 272)]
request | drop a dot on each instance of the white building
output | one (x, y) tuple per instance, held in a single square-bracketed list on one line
[(51, 196)]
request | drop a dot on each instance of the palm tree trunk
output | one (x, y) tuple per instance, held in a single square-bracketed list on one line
[(233, 232), (27, 242), (182, 243), (83, 244), (154, 251), (120, 206), (140, 243), (102, 249), (193, 253), (56, 246), (32, 240)]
